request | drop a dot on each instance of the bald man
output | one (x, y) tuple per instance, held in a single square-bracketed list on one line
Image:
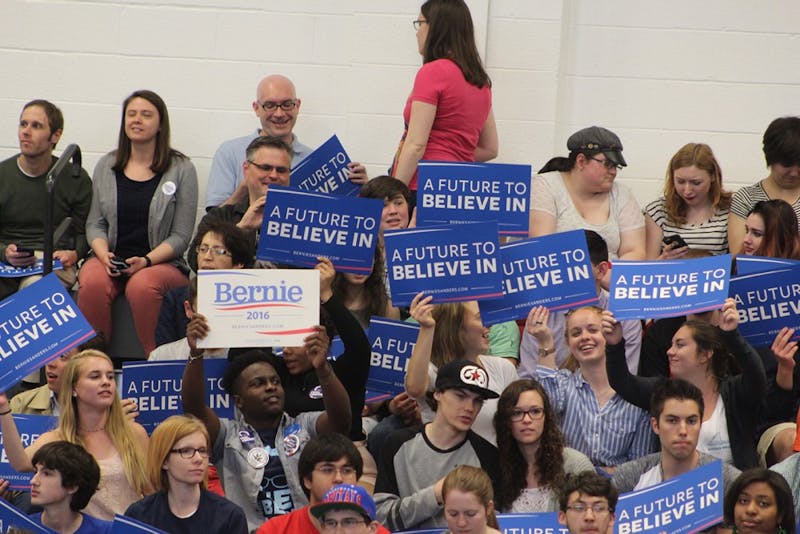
[(277, 107)]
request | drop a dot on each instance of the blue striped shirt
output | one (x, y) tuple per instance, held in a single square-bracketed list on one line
[(612, 435)]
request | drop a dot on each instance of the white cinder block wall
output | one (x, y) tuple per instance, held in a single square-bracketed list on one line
[(658, 73)]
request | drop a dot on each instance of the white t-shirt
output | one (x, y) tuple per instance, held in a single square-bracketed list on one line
[(714, 439)]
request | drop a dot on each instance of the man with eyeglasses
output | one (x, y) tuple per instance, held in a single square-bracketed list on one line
[(586, 503), (326, 462), (676, 415), (350, 508), (276, 107)]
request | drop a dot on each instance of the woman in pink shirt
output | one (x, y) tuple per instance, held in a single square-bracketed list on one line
[(448, 115)]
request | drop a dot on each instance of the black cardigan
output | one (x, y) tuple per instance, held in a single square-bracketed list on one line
[(741, 394)]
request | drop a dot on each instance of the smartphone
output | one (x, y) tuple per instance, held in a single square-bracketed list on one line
[(676, 239), (119, 265), (28, 251)]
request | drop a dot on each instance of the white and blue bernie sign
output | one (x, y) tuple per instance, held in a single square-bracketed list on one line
[(687, 503), (156, 388), (392, 343), (656, 289), (299, 227), (457, 193), (451, 263), (15, 520), (126, 525), (552, 271), (767, 301), (757, 264), (538, 523), (29, 427), (37, 324), (9, 271), (325, 171)]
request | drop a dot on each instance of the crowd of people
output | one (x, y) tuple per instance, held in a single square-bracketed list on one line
[(560, 413)]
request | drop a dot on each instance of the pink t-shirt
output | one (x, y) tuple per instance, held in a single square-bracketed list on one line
[(461, 111)]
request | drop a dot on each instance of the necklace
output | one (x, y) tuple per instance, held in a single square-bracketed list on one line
[(92, 431)]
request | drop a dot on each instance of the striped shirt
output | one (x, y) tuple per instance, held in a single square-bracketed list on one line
[(612, 435), (745, 198), (711, 235)]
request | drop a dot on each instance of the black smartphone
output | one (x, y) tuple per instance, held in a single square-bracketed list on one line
[(119, 265), (676, 239), (28, 251)]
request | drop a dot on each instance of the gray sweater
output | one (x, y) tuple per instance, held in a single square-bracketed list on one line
[(627, 475), (172, 213)]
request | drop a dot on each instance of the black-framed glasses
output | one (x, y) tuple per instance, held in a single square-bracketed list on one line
[(286, 105), (269, 168), (417, 23), (535, 413), (581, 508), (347, 523), (330, 470), (217, 251), (189, 452), (607, 163)]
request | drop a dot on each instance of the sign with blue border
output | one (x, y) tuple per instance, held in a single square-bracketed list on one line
[(126, 525), (457, 193), (767, 301), (687, 503), (325, 171), (392, 343), (537, 523), (451, 263), (37, 324), (552, 271), (668, 288), (156, 388), (299, 227), (29, 427), (757, 264), (15, 520), (258, 307)]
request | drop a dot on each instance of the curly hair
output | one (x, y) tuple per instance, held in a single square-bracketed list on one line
[(549, 456)]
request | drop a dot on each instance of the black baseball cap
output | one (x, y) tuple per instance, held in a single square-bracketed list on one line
[(464, 374)]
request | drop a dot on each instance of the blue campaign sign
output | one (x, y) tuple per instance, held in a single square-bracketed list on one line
[(757, 264), (156, 388), (688, 503), (36, 325), (421, 531), (9, 271), (15, 520), (655, 289), (767, 301), (299, 227), (126, 525), (538, 523), (552, 271), (457, 193), (392, 343), (451, 263), (325, 171), (30, 427)]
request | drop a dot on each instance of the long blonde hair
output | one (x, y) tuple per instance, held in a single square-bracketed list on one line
[(163, 439), (117, 426)]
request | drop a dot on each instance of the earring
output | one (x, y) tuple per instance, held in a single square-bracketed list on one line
[(781, 530), (74, 393)]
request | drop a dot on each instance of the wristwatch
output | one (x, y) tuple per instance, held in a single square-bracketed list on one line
[(545, 352)]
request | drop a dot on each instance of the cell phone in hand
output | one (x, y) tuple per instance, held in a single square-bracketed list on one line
[(676, 239), (27, 251), (119, 264)]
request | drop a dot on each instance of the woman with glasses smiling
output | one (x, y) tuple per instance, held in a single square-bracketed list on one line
[(144, 205), (448, 116), (579, 191), (528, 436), (177, 465)]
